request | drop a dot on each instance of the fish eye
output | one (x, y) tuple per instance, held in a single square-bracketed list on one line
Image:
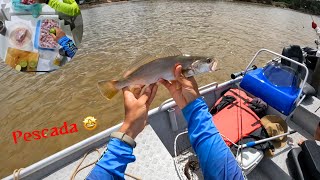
[(209, 60)]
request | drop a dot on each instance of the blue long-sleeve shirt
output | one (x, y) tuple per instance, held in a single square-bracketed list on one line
[(216, 159)]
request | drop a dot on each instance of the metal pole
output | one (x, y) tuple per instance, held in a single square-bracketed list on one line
[(253, 143)]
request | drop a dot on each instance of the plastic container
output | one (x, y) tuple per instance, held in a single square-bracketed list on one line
[(27, 44), (39, 34), (34, 9), (250, 159)]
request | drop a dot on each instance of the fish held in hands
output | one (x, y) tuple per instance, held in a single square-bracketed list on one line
[(149, 69)]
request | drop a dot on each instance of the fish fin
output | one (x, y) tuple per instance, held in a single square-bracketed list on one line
[(168, 52), (141, 60), (107, 88)]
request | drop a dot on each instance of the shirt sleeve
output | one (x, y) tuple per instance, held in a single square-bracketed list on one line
[(113, 162), (216, 159), (68, 7), (68, 46)]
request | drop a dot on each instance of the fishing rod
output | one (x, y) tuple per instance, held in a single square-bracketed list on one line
[(253, 143), (241, 73)]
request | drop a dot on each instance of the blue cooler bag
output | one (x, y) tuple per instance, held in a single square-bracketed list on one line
[(34, 9), (276, 84)]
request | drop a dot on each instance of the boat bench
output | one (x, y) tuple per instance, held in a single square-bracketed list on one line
[(307, 114)]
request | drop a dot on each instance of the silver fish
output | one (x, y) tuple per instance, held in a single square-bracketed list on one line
[(149, 69)]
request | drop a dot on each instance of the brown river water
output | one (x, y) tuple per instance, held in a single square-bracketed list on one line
[(114, 35)]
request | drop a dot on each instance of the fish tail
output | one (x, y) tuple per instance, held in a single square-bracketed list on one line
[(108, 88)]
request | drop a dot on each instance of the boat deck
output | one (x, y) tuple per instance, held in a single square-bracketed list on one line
[(153, 161)]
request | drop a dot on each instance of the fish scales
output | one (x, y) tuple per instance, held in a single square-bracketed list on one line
[(152, 68)]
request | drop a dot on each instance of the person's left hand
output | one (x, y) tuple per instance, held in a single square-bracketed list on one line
[(136, 109), (59, 34)]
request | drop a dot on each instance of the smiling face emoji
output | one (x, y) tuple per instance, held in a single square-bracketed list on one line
[(90, 123)]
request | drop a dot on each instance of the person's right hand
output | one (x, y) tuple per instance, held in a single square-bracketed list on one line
[(183, 90), (59, 34)]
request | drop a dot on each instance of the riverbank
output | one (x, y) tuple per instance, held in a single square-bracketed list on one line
[(310, 7), (94, 3)]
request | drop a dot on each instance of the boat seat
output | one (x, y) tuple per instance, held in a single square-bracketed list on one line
[(276, 84), (309, 90), (293, 52), (304, 161)]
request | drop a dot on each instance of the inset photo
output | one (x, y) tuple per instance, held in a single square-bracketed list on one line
[(39, 36)]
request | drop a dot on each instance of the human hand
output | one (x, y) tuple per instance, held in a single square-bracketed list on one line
[(59, 34), (136, 109), (314, 25), (183, 90)]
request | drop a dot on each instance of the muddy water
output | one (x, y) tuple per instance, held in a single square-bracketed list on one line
[(114, 35)]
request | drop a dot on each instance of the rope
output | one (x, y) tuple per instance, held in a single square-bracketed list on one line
[(175, 153), (77, 170), (134, 177), (236, 145), (16, 173)]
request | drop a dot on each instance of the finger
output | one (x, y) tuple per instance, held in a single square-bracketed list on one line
[(165, 83), (54, 36), (136, 90), (185, 82), (127, 94), (145, 96), (193, 81), (58, 30), (178, 73), (154, 90)]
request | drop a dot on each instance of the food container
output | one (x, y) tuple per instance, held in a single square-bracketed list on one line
[(249, 158), (13, 32), (43, 29), (34, 9)]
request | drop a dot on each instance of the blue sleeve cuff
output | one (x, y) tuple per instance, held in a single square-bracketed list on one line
[(191, 106), (113, 162)]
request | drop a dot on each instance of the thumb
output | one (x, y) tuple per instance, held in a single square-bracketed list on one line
[(127, 94), (146, 94), (54, 36), (179, 76)]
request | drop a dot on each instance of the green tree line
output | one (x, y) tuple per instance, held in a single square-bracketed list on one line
[(310, 6)]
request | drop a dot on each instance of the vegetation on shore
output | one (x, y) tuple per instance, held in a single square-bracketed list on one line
[(307, 6), (92, 3)]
